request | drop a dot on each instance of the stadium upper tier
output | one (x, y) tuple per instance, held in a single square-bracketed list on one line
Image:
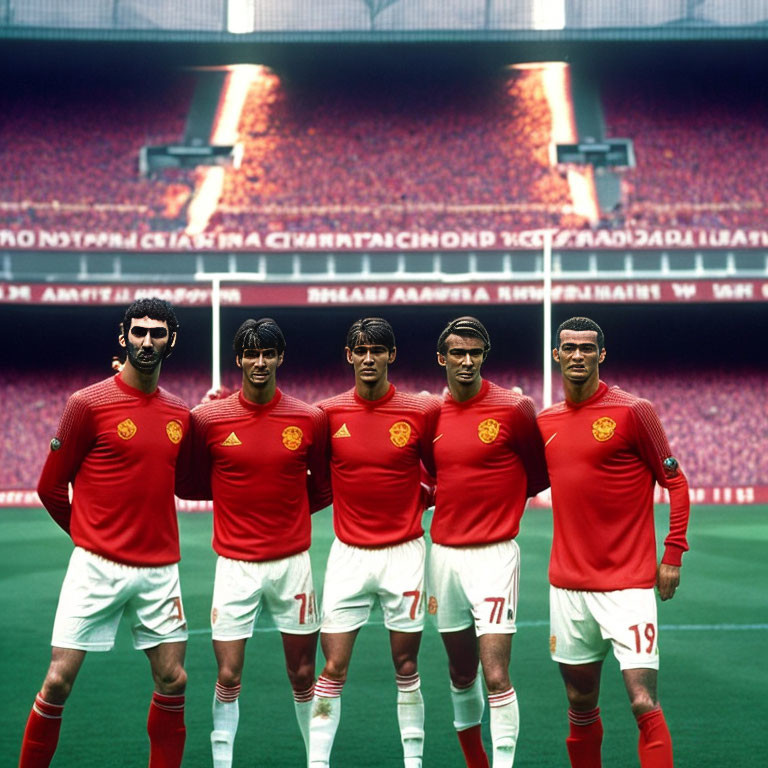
[(701, 145), (719, 435), (71, 150)]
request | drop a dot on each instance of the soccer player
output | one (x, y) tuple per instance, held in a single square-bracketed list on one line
[(117, 444), (488, 458), (378, 439), (606, 450), (256, 447)]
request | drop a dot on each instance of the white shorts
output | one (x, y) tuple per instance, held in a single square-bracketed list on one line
[(584, 626), (356, 577), (475, 585), (96, 592), (242, 589)]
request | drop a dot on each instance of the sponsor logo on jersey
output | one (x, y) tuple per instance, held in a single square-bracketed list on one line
[(552, 643), (55, 444), (126, 429), (292, 437), (400, 433), (232, 439), (432, 605), (603, 429), (488, 430), (214, 615), (175, 431), (342, 431)]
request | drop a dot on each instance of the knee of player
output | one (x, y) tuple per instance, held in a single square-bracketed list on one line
[(496, 679), (172, 680), (335, 670), (406, 666), (56, 687), (302, 676), (229, 677), (642, 702), (582, 700)]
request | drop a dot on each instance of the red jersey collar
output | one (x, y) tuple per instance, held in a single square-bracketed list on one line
[(484, 387), (385, 398), (260, 407), (602, 388), (129, 390)]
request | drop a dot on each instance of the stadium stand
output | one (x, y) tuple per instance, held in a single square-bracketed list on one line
[(701, 145), (70, 152), (719, 435), (416, 155)]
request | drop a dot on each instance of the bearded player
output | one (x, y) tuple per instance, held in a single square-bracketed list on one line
[(117, 445), (379, 437), (606, 450), (256, 448), (489, 458)]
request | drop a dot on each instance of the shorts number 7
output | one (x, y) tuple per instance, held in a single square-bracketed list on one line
[(416, 595), (497, 611)]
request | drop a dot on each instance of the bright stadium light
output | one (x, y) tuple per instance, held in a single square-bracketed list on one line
[(240, 16), (548, 14), (225, 131)]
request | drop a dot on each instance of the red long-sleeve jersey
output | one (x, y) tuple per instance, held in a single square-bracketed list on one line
[(118, 447), (376, 452), (256, 458), (604, 457), (489, 458)]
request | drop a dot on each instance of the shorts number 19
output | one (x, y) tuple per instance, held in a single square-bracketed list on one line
[(650, 635)]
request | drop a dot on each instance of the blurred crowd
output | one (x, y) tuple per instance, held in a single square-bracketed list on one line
[(421, 155), (71, 155), (700, 147), (719, 435)]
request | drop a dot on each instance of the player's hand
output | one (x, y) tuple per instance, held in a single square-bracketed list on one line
[(667, 580)]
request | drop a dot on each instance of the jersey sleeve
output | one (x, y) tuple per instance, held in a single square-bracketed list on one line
[(193, 466), (528, 445), (654, 449), (68, 449), (318, 464)]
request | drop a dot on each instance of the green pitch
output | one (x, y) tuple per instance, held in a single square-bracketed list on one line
[(713, 673)]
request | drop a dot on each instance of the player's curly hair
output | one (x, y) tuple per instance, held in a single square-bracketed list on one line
[(371, 330), (263, 333), (155, 309), (580, 324), (465, 326)]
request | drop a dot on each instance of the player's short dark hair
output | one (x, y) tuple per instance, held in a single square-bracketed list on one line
[(155, 309), (580, 324), (465, 326), (263, 333), (371, 330)]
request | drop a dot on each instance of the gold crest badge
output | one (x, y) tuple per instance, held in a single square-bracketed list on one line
[(174, 431), (488, 430), (603, 429), (432, 605), (126, 429), (552, 643), (400, 433), (292, 437)]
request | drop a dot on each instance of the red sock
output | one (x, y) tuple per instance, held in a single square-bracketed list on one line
[(655, 743), (471, 741), (41, 734), (585, 738), (165, 726)]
